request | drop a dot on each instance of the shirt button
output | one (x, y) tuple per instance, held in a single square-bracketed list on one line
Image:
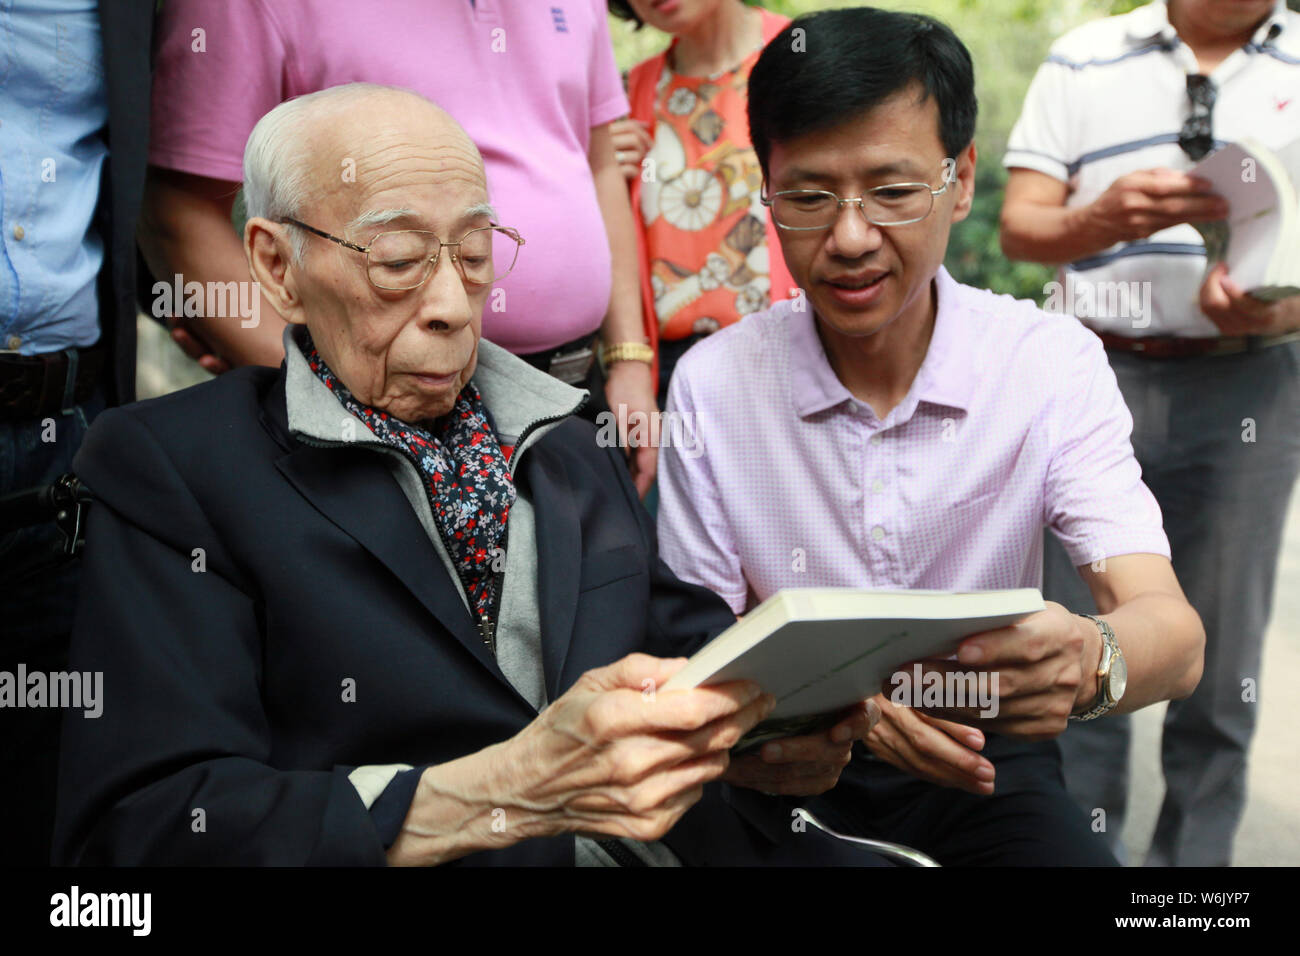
[(877, 486), (877, 532), (876, 439), (19, 232), (13, 342)]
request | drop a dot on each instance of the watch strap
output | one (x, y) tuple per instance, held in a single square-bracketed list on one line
[(1103, 703)]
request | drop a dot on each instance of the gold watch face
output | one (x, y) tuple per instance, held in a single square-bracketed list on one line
[(1118, 678)]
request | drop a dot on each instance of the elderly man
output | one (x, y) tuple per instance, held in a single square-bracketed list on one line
[(331, 603)]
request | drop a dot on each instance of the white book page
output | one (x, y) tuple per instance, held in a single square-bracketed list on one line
[(1255, 216)]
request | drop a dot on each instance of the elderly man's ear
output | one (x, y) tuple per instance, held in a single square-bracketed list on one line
[(270, 260)]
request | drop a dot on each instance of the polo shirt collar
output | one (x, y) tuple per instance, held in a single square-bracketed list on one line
[(1278, 18), (814, 385), (946, 376), (1152, 21)]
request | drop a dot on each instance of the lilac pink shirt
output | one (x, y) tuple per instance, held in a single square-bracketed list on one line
[(783, 479), (527, 80)]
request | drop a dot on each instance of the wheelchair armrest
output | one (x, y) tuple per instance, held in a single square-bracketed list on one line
[(893, 851)]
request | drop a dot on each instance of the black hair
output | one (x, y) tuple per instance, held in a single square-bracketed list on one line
[(831, 67), (623, 10)]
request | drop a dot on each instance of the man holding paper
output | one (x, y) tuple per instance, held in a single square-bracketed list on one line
[(404, 610), (1101, 182), (891, 428)]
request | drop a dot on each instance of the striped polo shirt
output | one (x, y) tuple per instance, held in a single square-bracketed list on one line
[(1110, 99)]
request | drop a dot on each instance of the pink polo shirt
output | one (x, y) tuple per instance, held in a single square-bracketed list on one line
[(783, 479), (527, 79)]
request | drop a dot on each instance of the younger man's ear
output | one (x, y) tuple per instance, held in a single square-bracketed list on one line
[(964, 180), (270, 260)]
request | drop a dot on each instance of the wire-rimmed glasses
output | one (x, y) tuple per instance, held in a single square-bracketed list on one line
[(894, 204), (403, 259)]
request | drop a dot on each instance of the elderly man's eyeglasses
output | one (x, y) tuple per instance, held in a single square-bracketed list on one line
[(403, 260), (894, 204)]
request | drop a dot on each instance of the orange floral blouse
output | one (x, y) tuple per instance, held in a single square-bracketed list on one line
[(706, 238)]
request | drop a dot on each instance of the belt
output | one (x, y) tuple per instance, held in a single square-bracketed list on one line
[(34, 386), (1172, 346), (570, 362)]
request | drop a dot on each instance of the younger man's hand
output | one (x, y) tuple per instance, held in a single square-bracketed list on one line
[(805, 765)]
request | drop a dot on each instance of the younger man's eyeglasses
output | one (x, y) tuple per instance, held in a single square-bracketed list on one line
[(894, 204)]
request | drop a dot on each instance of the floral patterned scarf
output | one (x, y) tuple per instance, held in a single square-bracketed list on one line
[(465, 472)]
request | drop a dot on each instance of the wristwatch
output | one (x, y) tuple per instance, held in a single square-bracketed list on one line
[(1112, 674)]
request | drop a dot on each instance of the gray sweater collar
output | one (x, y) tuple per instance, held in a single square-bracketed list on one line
[(516, 395)]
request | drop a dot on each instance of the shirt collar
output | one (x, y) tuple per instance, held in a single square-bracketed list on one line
[(1278, 18), (1152, 21), (946, 376), (814, 385), (516, 395)]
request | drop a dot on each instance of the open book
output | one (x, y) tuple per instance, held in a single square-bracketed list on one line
[(818, 650), (1260, 239)]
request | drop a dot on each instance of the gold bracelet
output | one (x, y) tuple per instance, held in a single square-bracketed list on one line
[(627, 352)]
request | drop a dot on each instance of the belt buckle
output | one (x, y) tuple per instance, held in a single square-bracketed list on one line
[(68, 400), (571, 368)]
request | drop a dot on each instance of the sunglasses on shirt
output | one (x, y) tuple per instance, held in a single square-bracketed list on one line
[(1196, 138)]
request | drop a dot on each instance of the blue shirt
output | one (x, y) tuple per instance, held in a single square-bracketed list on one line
[(53, 107)]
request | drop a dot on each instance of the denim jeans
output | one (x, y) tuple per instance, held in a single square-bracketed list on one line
[(37, 601)]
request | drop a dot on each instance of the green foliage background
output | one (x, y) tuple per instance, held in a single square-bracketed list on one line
[(1008, 40)]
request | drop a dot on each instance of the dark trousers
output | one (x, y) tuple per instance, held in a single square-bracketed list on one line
[(760, 831), (36, 607), (1029, 820), (1219, 449)]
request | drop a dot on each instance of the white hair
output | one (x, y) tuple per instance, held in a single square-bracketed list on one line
[(277, 178), (379, 217), (483, 209)]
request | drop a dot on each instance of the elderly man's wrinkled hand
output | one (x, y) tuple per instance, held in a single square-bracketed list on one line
[(615, 756)]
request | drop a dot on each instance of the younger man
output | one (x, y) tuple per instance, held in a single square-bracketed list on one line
[(892, 428)]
